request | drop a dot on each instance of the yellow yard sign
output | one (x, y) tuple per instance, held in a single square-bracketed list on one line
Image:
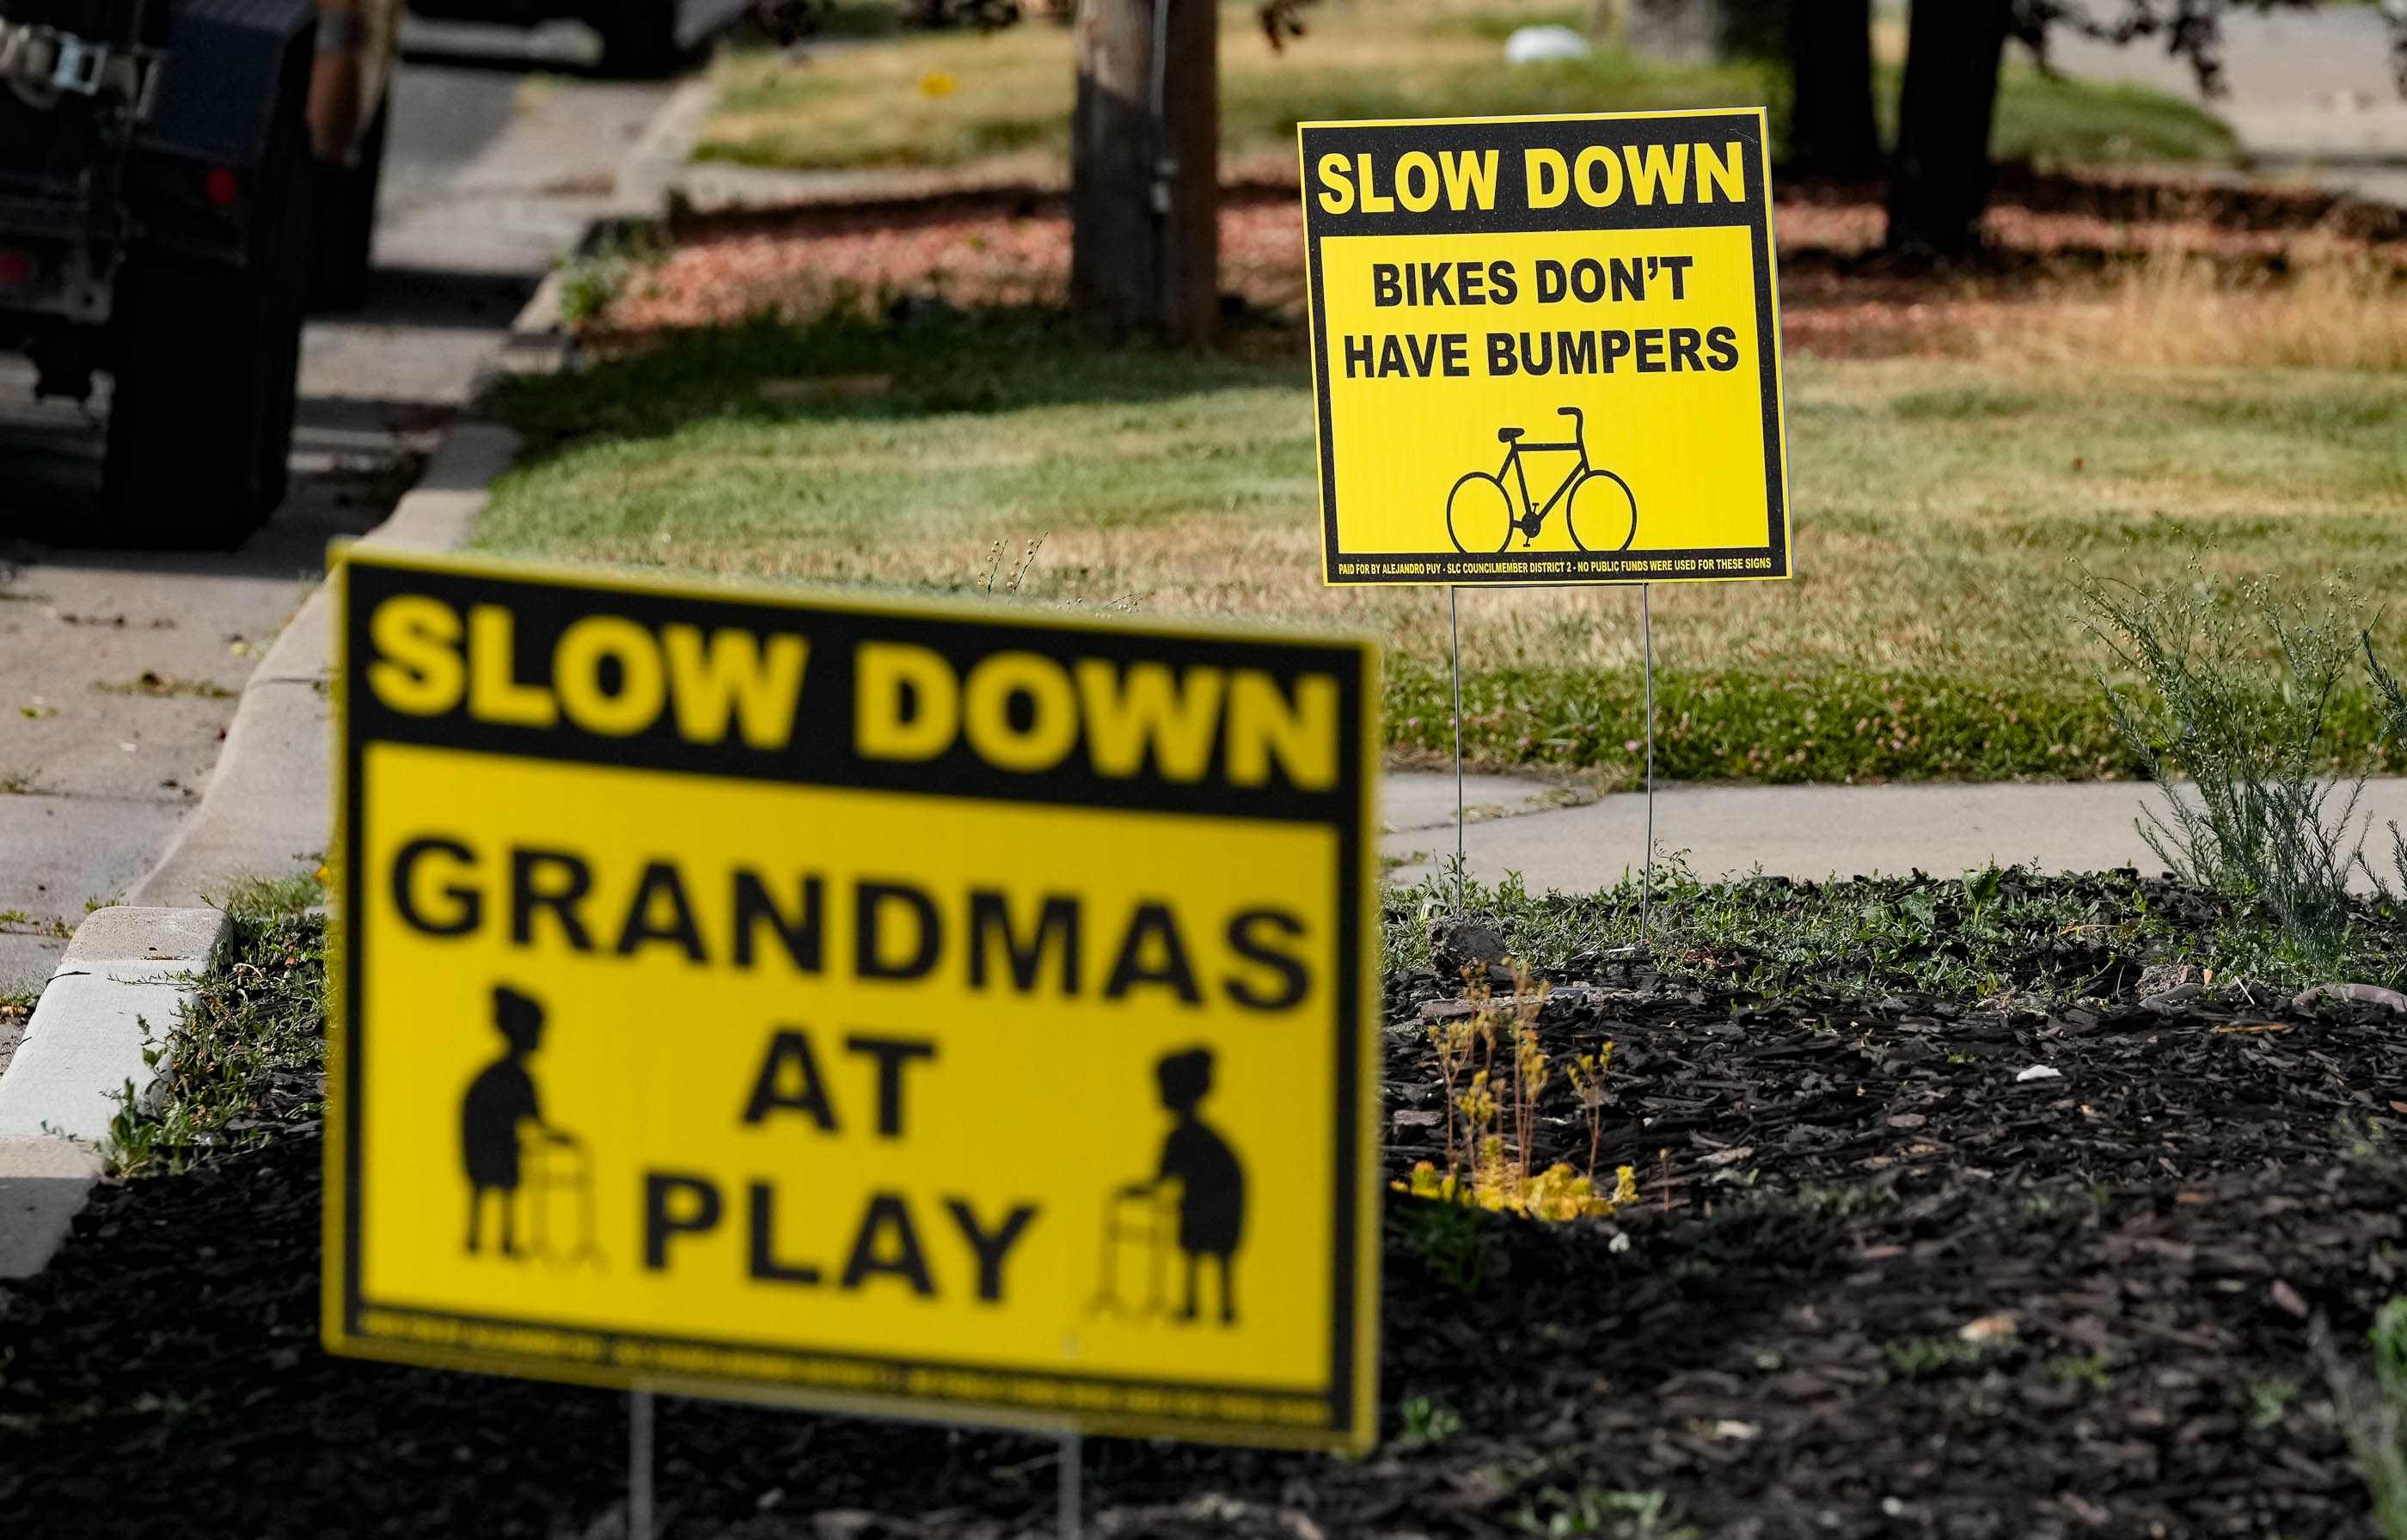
[(959, 1011), (1548, 349)]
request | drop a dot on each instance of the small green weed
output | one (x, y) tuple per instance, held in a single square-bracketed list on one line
[(173, 1407), (1449, 1240), (2268, 1400), (259, 899), (590, 280), (1981, 891), (1844, 1200), (2092, 1371), (161, 686), (1917, 1357), (2368, 1146), (1609, 1512), (1428, 1421), (142, 1140)]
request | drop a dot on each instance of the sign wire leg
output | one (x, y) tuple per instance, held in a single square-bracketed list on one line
[(1073, 1477), (1647, 871), (639, 1466), (1454, 630)]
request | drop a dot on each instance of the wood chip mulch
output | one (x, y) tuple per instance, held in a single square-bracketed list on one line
[(1879, 1283), (1840, 296)]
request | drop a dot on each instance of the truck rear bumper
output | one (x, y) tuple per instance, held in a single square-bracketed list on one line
[(47, 267)]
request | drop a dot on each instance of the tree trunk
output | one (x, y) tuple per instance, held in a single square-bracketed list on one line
[(1832, 131), (1145, 169), (1940, 180)]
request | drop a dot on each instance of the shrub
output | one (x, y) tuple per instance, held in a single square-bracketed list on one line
[(2247, 724), (2374, 1417)]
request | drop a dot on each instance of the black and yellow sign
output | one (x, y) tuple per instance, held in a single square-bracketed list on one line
[(1548, 349), (965, 1011)]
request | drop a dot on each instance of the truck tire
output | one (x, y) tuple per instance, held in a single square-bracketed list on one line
[(639, 39), (206, 364), (342, 221)]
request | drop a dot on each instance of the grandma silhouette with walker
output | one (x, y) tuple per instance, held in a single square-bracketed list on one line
[(500, 1103), (1201, 1178)]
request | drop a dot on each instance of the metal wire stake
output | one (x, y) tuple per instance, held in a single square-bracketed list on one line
[(1647, 871), (639, 1466), (1454, 628), (1072, 1502)]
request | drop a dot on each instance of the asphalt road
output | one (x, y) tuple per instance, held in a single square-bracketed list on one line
[(118, 670)]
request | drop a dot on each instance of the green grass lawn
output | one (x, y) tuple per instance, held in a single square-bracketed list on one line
[(1002, 100), (2062, 121), (1939, 508)]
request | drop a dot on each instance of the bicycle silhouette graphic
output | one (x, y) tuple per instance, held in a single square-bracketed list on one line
[(1600, 511)]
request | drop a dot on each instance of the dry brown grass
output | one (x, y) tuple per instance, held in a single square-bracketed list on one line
[(2341, 306)]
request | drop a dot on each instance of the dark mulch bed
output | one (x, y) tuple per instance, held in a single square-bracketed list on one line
[(1778, 1353)]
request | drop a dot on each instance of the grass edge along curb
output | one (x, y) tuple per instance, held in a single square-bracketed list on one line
[(1783, 726), (2007, 936), (245, 1060)]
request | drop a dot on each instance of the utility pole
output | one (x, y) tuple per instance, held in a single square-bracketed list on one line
[(1145, 169)]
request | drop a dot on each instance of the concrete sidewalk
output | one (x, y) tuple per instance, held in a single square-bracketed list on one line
[(1792, 831), (269, 807), (2309, 93)]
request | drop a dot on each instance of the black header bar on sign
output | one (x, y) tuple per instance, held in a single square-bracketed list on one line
[(1015, 708), (1491, 176)]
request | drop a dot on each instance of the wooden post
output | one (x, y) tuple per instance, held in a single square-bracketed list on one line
[(1145, 169)]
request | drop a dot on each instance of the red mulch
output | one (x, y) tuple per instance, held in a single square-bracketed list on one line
[(1841, 295)]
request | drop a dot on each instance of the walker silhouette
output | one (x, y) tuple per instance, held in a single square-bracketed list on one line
[(500, 1100), (1196, 1203)]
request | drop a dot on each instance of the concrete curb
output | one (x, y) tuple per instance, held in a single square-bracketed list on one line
[(125, 978), (539, 340), (650, 173)]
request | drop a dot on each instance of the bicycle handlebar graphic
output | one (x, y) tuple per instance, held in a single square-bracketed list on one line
[(1579, 431)]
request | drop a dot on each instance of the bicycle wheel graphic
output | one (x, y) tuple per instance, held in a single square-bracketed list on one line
[(1479, 514), (1602, 514)]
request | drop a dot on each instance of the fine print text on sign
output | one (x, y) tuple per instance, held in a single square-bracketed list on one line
[(963, 1011), (1548, 349)]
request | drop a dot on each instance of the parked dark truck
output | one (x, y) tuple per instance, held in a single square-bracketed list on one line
[(159, 160)]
